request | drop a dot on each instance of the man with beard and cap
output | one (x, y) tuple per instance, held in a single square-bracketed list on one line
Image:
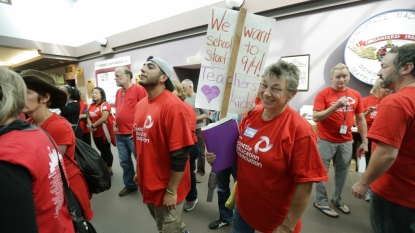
[(390, 172), (126, 98), (335, 108), (162, 137)]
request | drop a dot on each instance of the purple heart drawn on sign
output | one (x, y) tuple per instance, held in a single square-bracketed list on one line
[(210, 92)]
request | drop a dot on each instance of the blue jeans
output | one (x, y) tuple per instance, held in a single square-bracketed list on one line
[(193, 153), (388, 217), (125, 148), (224, 191), (239, 225)]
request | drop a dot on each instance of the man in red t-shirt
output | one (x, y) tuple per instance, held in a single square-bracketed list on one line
[(162, 138), (126, 99), (390, 172), (334, 110)]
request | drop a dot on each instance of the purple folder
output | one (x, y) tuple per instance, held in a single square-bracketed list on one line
[(220, 139)]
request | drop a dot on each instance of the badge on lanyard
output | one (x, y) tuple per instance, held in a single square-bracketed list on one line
[(250, 132), (343, 128)]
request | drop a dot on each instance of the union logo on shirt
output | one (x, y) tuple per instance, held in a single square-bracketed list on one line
[(263, 149)]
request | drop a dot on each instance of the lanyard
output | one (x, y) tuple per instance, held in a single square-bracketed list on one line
[(344, 113)]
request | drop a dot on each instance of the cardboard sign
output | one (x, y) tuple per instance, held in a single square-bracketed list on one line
[(250, 62), (216, 57)]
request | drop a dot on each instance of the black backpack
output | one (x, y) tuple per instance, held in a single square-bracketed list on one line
[(92, 167)]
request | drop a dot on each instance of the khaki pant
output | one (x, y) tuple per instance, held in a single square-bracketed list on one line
[(168, 221)]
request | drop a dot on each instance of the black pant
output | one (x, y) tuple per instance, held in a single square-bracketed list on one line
[(105, 149), (86, 137)]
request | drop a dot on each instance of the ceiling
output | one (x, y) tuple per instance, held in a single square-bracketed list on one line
[(75, 22)]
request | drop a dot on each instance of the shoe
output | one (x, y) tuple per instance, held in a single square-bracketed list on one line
[(367, 198), (111, 173), (218, 223), (126, 191), (189, 205), (327, 211), (186, 231), (199, 178), (343, 208)]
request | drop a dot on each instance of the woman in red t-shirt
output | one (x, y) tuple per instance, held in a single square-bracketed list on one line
[(278, 159), (42, 94), (97, 115), (371, 104)]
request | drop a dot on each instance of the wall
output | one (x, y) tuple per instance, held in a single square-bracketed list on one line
[(321, 34)]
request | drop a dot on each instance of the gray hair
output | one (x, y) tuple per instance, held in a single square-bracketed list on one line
[(126, 71), (377, 83), (188, 82), (14, 94), (405, 54), (285, 70)]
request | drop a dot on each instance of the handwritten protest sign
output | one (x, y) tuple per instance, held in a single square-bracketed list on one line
[(250, 62), (216, 57)]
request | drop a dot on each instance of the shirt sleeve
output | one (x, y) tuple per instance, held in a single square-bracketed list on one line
[(319, 104), (306, 164), (178, 123), (389, 128), (360, 105), (17, 212), (61, 134)]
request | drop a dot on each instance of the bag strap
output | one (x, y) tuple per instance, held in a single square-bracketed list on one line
[(71, 206)]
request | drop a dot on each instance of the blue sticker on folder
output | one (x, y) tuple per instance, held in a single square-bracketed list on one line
[(250, 132)]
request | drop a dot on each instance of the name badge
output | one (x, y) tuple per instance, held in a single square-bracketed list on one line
[(250, 132), (343, 129)]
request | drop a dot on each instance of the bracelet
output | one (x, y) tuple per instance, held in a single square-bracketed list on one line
[(170, 192)]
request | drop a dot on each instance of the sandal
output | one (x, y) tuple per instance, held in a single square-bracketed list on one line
[(327, 211), (343, 208)]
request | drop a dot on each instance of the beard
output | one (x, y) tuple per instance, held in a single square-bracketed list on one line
[(150, 82), (390, 79)]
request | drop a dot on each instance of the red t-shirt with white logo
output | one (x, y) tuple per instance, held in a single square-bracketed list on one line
[(161, 126), (329, 128), (125, 102), (370, 101), (395, 125), (273, 156), (95, 113), (33, 150)]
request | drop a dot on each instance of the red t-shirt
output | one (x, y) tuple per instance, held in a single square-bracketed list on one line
[(273, 156), (329, 128), (395, 125), (82, 123), (370, 101), (95, 113), (161, 126), (61, 132), (192, 120), (33, 150), (125, 103)]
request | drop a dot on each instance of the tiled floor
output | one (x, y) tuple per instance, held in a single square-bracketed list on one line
[(114, 214)]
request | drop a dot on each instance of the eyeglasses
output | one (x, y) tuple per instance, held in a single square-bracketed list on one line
[(1, 93)]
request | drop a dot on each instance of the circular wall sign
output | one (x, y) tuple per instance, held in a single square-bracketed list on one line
[(369, 42)]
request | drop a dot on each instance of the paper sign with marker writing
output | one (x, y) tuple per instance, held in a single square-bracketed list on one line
[(250, 63), (216, 57)]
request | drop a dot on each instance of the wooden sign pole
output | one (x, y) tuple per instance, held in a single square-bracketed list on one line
[(232, 62)]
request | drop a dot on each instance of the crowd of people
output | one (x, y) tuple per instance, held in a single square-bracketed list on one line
[(158, 124)]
